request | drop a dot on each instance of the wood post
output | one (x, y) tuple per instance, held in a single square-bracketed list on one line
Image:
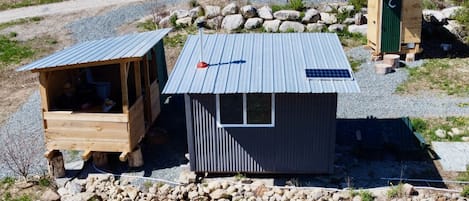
[(410, 57), (392, 59), (382, 69), (56, 163), (135, 158), (125, 93), (100, 159)]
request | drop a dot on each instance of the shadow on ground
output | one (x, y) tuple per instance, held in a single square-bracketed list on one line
[(434, 35)]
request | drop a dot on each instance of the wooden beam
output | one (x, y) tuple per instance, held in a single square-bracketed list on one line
[(146, 82), (43, 90), (92, 117), (48, 154), (86, 155), (123, 156), (89, 64), (138, 81), (125, 93)]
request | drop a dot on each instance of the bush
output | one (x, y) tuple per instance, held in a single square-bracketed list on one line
[(419, 125), (395, 191), (465, 191), (358, 4), (366, 195), (297, 5), (44, 182), (429, 4)]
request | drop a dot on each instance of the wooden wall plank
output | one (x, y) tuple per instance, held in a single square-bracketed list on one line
[(125, 92), (97, 117), (136, 123), (155, 100), (81, 144)]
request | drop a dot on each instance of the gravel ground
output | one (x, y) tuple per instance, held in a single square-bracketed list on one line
[(377, 96)]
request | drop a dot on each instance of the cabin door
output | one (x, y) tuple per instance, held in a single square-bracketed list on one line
[(391, 26)]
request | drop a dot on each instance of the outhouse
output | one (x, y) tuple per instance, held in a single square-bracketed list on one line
[(102, 95), (265, 103), (394, 26)]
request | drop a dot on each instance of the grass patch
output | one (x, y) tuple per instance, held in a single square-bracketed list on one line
[(358, 4), (465, 191), (176, 40), (355, 64), (20, 21), (444, 75), (13, 51), (464, 176), (427, 128), (148, 25), (366, 195), (395, 192), (351, 39), (292, 5), (24, 3), (429, 4)]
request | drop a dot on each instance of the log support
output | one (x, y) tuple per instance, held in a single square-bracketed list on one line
[(123, 156), (86, 155), (56, 163), (135, 158), (100, 159)]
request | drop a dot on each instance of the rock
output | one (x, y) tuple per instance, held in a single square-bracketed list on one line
[(456, 131), (253, 23), (24, 185), (340, 196), (62, 191), (408, 190), (265, 13), (349, 21), (357, 198), (465, 139), (316, 194), (212, 11), (361, 29), (186, 177), (311, 16), (336, 28), (271, 25), (219, 193), (455, 28), (328, 18), (201, 19), (85, 196), (440, 133), (232, 22), (165, 22), (360, 19), (230, 9), (288, 26), (152, 190), (248, 11), (50, 195), (73, 188), (180, 13), (327, 8), (195, 12), (346, 9), (213, 185), (192, 195), (450, 13), (184, 22), (315, 27), (287, 15), (434, 16)]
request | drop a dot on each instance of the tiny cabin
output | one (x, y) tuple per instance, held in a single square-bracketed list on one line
[(265, 103), (394, 26), (103, 95)]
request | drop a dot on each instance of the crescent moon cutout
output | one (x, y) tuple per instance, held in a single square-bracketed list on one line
[(390, 4)]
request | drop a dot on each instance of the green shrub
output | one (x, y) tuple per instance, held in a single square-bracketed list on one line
[(44, 182), (11, 51), (395, 191), (419, 124), (148, 25), (8, 180), (173, 20), (429, 4), (366, 195), (465, 191), (358, 4), (297, 5)]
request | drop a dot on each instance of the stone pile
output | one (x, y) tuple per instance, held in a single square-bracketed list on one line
[(105, 187), (234, 18)]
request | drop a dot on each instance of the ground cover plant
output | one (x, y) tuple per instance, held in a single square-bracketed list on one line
[(427, 127), (10, 4)]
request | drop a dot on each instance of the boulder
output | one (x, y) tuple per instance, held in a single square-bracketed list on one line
[(62, 191), (265, 13), (79, 197), (450, 13), (465, 139), (361, 29), (327, 8), (408, 190), (253, 23), (315, 27), (360, 19), (214, 23), (232, 22), (180, 13), (440, 133), (165, 22), (186, 176), (218, 194), (288, 26), (195, 12), (50, 195), (287, 15), (456, 131), (73, 188), (201, 19), (328, 18), (434, 16), (230, 9), (248, 11), (271, 25), (212, 11), (336, 27), (311, 16), (349, 20), (455, 28), (346, 9), (184, 22)]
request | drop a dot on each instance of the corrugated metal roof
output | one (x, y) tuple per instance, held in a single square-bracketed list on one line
[(260, 63), (127, 46)]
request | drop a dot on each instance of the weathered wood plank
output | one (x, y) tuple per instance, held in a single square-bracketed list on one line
[(82, 144), (86, 133), (73, 116), (86, 155), (125, 95), (43, 91), (138, 81), (136, 123), (91, 64), (92, 125)]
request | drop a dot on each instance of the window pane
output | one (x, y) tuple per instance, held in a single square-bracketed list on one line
[(259, 108), (231, 109)]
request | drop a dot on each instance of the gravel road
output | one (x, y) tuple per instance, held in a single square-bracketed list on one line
[(377, 98)]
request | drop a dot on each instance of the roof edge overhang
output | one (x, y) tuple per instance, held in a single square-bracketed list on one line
[(85, 65)]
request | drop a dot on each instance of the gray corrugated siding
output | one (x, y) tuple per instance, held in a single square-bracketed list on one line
[(302, 140)]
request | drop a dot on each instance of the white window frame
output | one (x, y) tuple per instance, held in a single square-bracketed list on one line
[(245, 114)]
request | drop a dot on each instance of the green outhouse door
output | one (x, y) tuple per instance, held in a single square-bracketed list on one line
[(391, 26)]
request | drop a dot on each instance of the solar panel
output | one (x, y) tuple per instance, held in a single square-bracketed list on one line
[(327, 73)]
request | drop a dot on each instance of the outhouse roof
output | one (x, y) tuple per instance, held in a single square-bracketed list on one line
[(115, 48), (260, 63)]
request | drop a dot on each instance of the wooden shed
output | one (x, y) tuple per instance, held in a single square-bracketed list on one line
[(266, 103), (103, 95), (394, 26)]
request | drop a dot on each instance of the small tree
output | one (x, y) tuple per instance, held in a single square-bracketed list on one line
[(21, 152)]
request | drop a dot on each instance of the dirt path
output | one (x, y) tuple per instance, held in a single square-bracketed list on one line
[(58, 8)]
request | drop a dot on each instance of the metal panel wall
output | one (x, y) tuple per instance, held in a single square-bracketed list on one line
[(302, 140)]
